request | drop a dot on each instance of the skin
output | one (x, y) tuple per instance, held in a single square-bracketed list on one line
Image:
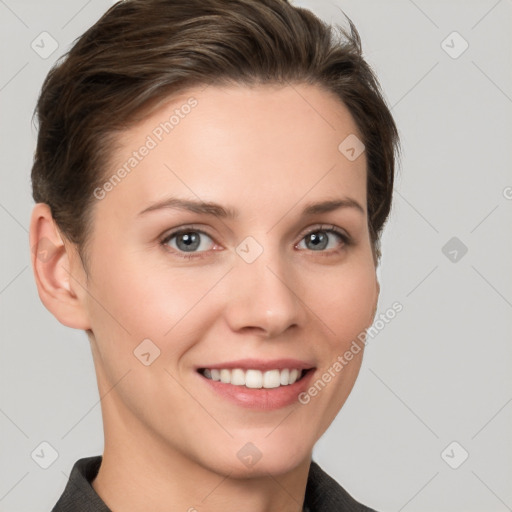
[(170, 442)]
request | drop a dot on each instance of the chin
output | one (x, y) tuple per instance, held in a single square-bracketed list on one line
[(259, 458)]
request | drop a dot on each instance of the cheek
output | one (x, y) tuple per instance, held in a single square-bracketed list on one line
[(344, 300), (135, 300)]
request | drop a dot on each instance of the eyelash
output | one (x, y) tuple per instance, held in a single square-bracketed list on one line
[(347, 241)]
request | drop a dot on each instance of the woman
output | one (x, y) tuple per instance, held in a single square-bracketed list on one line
[(212, 179)]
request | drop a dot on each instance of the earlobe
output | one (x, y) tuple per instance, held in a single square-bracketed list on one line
[(376, 301), (58, 280)]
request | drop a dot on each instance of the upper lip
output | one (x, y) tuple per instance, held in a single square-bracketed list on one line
[(261, 364)]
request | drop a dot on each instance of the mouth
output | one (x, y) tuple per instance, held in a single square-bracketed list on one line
[(258, 384), (259, 390), (255, 379)]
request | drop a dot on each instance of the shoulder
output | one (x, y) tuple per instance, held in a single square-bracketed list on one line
[(324, 494)]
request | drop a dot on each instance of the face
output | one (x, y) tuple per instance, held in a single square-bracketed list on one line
[(260, 282)]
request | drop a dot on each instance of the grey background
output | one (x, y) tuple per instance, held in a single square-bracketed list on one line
[(437, 373)]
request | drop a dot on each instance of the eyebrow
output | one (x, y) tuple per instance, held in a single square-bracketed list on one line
[(211, 208)]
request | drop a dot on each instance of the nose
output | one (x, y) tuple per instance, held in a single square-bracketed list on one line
[(262, 297)]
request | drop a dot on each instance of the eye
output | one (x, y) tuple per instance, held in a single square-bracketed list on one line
[(320, 238), (187, 240), (190, 242)]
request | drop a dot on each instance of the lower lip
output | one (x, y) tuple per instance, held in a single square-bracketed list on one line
[(261, 398)]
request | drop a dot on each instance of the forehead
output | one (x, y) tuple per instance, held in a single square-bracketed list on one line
[(253, 145)]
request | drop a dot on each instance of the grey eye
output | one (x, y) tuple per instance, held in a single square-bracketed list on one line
[(319, 239), (187, 241)]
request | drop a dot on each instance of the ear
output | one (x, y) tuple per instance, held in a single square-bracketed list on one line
[(58, 271), (376, 303)]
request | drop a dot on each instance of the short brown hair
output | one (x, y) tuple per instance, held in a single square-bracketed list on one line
[(141, 51)]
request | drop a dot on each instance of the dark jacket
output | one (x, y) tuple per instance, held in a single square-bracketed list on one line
[(323, 494)]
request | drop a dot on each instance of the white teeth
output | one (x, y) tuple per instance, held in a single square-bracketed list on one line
[(272, 379), (238, 377), (254, 378)]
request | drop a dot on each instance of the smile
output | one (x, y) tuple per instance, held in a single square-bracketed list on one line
[(254, 379), (263, 390)]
